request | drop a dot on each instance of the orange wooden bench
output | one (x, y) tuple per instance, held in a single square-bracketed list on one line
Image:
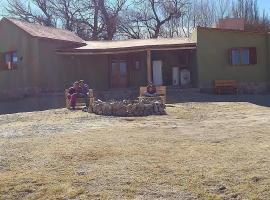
[(161, 92), (228, 86)]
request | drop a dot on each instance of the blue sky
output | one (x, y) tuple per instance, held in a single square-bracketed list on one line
[(263, 4)]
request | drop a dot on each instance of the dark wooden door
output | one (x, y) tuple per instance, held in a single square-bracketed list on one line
[(119, 73)]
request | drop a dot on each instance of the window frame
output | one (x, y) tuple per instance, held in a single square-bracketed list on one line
[(4, 65), (135, 67), (241, 50)]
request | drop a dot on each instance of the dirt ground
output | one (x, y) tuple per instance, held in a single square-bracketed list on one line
[(198, 151)]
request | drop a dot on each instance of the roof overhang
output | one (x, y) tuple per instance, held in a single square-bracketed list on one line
[(189, 46)]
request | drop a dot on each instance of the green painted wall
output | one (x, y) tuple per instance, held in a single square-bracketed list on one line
[(213, 57), (14, 39), (42, 68)]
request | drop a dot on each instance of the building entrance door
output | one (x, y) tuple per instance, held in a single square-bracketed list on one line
[(119, 73)]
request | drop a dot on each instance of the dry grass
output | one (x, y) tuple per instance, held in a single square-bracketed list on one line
[(198, 151)]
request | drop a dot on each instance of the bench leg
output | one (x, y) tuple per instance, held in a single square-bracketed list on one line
[(67, 103), (91, 102)]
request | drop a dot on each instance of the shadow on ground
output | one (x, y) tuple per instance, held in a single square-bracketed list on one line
[(193, 96), (32, 104), (173, 96)]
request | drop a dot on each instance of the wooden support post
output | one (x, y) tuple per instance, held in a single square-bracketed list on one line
[(149, 66)]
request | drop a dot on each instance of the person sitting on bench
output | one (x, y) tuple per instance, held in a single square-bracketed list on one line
[(84, 93), (151, 90), (73, 93)]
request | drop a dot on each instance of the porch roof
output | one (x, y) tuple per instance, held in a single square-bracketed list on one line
[(125, 46)]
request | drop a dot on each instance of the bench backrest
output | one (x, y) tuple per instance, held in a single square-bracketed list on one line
[(66, 92), (161, 90), (90, 93), (225, 83)]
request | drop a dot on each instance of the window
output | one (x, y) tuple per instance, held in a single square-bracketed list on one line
[(123, 68), (114, 68), (236, 57), (137, 65), (243, 56), (8, 61)]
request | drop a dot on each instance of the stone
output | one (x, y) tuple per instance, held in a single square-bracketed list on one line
[(107, 109), (221, 188), (128, 108)]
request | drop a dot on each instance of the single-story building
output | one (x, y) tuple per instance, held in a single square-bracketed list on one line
[(35, 58)]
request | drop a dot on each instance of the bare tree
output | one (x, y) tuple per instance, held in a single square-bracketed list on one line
[(39, 12), (118, 19), (222, 8), (249, 10), (131, 26), (204, 13), (66, 11), (90, 19), (163, 12), (110, 12)]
